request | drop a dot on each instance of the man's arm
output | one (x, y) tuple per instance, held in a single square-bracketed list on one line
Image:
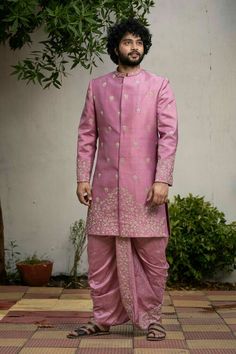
[(86, 148), (167, 142)]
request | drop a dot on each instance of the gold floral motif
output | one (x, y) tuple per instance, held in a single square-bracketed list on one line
[(164, 171)]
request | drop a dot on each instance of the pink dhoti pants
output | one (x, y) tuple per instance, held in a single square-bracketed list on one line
[(127, 277)]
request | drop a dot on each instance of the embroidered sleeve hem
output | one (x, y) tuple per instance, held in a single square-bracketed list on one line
[(83, 170), (164, 170)]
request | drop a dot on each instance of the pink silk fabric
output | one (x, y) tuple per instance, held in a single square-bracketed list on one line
[(127, 277), (131, 121)]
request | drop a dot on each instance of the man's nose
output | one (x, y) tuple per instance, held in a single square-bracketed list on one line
[(134, 46)]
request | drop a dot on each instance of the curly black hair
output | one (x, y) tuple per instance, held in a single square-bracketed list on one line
[(117, 32)]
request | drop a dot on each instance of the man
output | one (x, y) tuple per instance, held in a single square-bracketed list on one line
[(132, 113)]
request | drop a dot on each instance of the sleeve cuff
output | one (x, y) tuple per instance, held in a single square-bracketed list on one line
[(83, 170), (164, 170)]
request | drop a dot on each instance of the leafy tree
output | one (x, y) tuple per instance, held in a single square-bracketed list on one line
[(74, 33)]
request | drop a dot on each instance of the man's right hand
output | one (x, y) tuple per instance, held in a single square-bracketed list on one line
[(84, 193)]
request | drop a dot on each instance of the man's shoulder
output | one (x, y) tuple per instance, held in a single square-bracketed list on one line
[(155, 77)]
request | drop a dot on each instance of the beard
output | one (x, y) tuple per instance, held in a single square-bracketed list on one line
[(127, 59)]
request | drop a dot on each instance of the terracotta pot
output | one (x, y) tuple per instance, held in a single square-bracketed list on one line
[(35, 274)]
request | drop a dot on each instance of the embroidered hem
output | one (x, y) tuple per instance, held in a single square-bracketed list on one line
[(119, 214)]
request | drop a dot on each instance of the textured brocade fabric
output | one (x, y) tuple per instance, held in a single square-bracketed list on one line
[(136, 220), (164, 171), (83, 170)]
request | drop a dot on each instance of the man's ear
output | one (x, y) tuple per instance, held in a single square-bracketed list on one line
[(116, 51)]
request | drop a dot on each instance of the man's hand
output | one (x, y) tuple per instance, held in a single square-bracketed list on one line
[(158, 193), (84, 193)]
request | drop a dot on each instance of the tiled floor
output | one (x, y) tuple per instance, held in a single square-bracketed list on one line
[(37, 320)]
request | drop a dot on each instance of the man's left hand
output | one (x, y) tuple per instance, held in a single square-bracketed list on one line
[(158, 193)]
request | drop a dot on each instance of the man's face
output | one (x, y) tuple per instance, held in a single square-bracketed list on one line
[(131, 50)]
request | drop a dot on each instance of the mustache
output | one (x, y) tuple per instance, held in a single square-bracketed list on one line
[(134, 52)]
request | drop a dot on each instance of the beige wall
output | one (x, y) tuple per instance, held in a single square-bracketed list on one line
[(194, 46)]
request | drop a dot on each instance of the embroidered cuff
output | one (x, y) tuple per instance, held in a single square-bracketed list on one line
[(83, 170), (164, 170)]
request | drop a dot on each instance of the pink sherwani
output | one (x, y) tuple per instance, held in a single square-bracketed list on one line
[(133, 117)]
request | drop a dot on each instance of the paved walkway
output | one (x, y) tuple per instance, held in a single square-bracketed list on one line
[(37, 320)]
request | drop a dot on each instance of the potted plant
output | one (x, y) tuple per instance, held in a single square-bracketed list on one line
[(35, 271)]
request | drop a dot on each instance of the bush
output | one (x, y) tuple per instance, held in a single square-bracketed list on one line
[(201, 242)]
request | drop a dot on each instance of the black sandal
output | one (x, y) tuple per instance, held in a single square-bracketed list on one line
[(154, 329), (89, 329)]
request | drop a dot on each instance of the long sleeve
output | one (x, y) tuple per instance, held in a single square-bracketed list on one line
[(167, 134), (87, 138)]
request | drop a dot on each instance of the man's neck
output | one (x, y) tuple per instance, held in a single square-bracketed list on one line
[(128, 69)]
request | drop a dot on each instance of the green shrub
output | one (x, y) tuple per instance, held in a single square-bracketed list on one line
[(201, 242)]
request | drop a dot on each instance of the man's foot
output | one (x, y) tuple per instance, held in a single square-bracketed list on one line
[(156, 332), (89, 329)]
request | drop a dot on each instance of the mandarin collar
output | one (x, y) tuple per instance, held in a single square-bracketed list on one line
[(120, 74)]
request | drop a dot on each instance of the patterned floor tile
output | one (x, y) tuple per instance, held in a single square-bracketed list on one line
[(197, 315), (209, 335), (50, 334), (186, 292), (230, 320), (46, 350), (170, 321), (72, 305), (228, 314), (75, 296), (76, 291), (105, 343), (190, 297), (168, 309), (104, 351), (224, 297), (212, 344), (219, 305), (53, 342), (6, 304), (212, 351), (160, 351), (35, 305), (167, 343), (9, 350), (201, 321), (12, 342), (40, 296), (191, 303), (44, 290), (16, 334), (193, 309), (11, 295), (17, 327), (205, 328), (12, 288), (233, 327), (3, 313)]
